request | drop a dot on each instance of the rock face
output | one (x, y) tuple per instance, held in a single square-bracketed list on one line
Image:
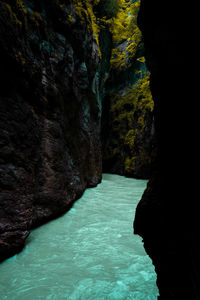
[(50, 114), (128, 132), (168, 216), (127, 120), (58, 60)]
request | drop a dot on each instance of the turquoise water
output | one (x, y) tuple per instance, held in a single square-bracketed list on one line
[(90, 253)]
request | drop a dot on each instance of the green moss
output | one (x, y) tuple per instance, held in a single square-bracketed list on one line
[(69, 15), (118, 59), (13, 15), (71, 18), (18, 14), (137, 97), (129, 164), (120, 16), (130, 111), (130, 137), (21, 7), (36, 18), (20, 59), (85, 10), (123, 27)]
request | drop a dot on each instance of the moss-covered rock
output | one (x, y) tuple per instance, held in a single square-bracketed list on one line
[(128, 127), (130, 140)]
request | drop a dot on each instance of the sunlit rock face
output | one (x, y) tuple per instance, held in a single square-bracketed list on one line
[(167, 217), (50, 113)]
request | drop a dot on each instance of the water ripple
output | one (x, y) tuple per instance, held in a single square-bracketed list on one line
[(88, 254)]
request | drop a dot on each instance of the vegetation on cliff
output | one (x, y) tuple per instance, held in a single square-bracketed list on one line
[(59, 59), (118, 40), (129, 134), (131, 125), (125, 34), (127, 148)]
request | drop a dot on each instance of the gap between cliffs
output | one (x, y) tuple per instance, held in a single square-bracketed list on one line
[(75, 97)]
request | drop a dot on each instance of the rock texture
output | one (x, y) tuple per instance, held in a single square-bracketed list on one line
[(128, 130), (55, 58), (50, 114), (168, 216), (127, 118)]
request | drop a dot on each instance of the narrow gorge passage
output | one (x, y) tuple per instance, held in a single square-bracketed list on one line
[(90, 253)]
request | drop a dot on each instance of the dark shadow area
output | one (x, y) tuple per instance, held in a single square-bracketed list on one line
[(167, 217)]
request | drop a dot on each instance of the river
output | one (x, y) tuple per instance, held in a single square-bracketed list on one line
[(90, 253)]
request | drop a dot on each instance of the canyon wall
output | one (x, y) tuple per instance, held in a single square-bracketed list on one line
[(127, 116), (167, 217), (59, 61), (50, 113)]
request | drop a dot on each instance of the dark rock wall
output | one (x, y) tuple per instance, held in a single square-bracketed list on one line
[(168, 216), (50, 114)]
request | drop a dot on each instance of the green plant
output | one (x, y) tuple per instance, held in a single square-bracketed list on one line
[(130, 110), (126, 35), (85, 10), (13, 15)]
